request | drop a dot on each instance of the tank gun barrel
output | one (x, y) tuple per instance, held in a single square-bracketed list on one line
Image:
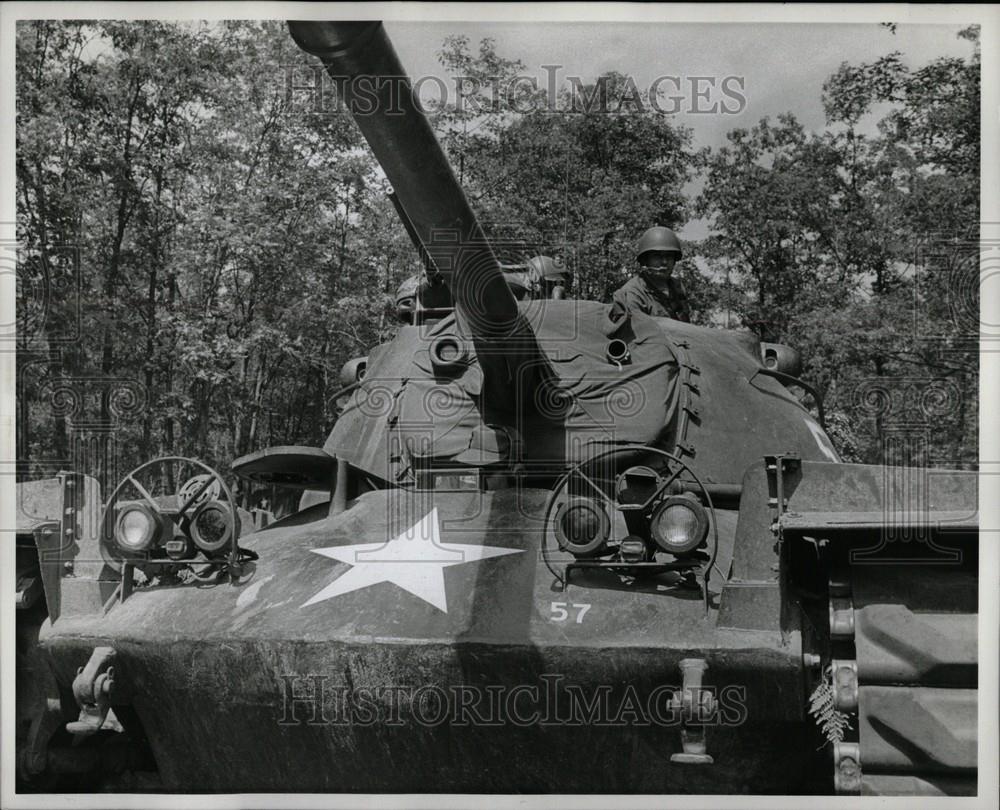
[(374, 87)]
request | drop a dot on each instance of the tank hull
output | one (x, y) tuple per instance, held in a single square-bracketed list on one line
[(508, 685)]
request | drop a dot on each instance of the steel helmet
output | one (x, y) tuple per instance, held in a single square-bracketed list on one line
[(658, 238), (547, 268), (406, 298), (408, 289)]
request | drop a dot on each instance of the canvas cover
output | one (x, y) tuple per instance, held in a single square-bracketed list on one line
[(557, 407)]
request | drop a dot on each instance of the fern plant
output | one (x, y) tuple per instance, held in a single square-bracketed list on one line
[(831, 721)]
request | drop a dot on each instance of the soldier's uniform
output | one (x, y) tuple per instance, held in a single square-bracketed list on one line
[(653, 290), (639, 295)]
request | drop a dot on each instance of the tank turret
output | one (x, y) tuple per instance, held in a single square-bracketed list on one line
[(536, 385)]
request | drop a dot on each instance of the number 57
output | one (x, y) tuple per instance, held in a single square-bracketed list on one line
[(561, 614)]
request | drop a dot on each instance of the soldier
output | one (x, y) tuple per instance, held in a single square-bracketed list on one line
[(653, 289), (548, 276), (406, 299), (419, 295)]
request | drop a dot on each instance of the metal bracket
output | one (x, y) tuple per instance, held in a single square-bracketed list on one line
[(845, 685), (92, 688), (29, 589), (633, 569), (686, 448), (776, 467), (695, 705), (70, 524), (841, 618), (127, 584), (689, 410), (847, 768)]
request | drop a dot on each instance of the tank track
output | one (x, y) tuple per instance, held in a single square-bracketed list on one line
[(903, 643)]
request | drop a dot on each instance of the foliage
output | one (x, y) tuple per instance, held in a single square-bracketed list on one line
[(832, 722), (227, 249), (222, 237), (860, 250), (563, 177)]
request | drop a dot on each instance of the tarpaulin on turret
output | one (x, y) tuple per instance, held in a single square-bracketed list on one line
[(423, 400), (613, 381), (731, 414)]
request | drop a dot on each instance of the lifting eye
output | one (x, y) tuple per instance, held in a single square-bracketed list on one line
[(679, 524), (583, 527)]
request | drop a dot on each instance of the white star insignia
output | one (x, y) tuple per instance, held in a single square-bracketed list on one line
[(414, 561)]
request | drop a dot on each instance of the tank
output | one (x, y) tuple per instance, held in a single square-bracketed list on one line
[(550, 546)]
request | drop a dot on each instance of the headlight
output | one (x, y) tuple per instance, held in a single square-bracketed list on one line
[(212, 527), (679, 524), (583, 527), (138, 528)]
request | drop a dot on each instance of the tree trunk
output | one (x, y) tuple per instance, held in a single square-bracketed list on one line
[(114, 265)]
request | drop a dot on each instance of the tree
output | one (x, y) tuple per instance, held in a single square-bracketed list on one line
[(559, 175), (225, 236), (232, 247), (855, 248)]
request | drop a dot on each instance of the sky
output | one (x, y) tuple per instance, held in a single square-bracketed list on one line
[(782, 65), (775, 67)]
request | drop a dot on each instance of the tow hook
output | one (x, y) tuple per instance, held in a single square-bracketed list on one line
[(695, 705), (92, 688)]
